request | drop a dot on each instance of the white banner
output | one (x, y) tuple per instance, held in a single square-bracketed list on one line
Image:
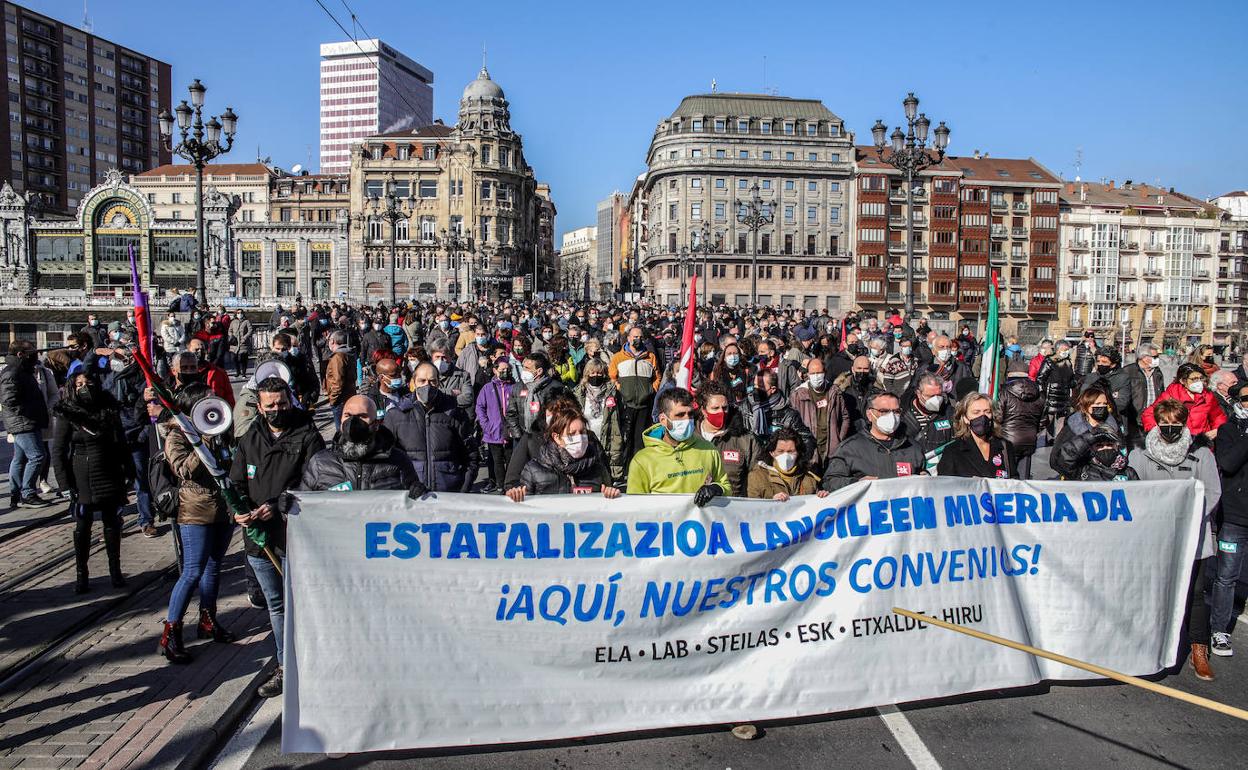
[(475, 620)]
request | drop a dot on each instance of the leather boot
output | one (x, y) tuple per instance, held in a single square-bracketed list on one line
[(171, 644), (82, 552), (210, 628), (112, 547), (1200, 662)]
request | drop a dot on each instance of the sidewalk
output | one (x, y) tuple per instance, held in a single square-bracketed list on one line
[(105, 699)]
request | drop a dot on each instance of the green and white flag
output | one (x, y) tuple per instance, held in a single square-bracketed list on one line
[(990, 361)]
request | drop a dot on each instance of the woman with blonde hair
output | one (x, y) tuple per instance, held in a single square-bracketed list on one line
[(598, 397), (977, 449)]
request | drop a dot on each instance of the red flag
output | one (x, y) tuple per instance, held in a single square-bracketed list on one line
[(684, 370)]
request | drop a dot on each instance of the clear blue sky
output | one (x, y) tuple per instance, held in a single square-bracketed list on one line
[(1144, 88)]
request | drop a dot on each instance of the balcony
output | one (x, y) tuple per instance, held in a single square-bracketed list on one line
[(1078, 270), (1018, 232), (897, 195), (1152, 274), (1000, 205), (997, 259), (1202, 249), (1153, 248), (1152, 299), (1127, 272), (1016, 283), (897, 247), (1018, 256), (1074, 243), (1021, 207), (895, 297), (1127, 298), (1000, 231), (1073, 296), (1018, 307), (1129, 246), (1200, 275)]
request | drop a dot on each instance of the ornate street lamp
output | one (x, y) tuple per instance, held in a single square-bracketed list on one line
[(706, 245), (755, 214), (910, 156), (200, 143), (391, 209), (455, 245)]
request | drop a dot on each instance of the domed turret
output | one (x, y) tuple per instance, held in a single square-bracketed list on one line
[(482, 88)]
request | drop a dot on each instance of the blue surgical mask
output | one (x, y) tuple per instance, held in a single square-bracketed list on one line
[(397, 383), (680, 430)]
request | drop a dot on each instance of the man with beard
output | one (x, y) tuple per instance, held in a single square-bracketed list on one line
[(270, 459)]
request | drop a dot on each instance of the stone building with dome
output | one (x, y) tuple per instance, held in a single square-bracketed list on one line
[(474, 219)]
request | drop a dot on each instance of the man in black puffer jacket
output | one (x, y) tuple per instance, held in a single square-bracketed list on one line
[(1022, 408), (363, 456), (435, 434)]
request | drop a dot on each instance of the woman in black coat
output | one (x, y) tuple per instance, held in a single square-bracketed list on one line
[(977, 450), (92, 461), (569, 461)]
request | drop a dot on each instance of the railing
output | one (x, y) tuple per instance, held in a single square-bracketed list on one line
[(1201, 274), (1152, 299), (997, 259), (1152, 273), (1018, 307), (1000, 205), (1018, 256), (1078, 270), (1153, 248), (1127, 272), (1021, 207), (1075, 243), (1000, 231), (1076, 297), (1018, 232), (1129, 246)]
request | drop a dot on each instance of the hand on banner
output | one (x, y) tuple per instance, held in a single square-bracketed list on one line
[(417, 490), (870, 478), (610, 492), (781, 497), (516, 494), (822, 493), (706, 494)]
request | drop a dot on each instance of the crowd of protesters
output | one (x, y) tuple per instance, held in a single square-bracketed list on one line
[(523, 399)]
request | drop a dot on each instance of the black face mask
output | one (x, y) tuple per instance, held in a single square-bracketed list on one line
[(1106, 456), (503, 375), (982, 426), (1170, 433), (189, 378), (1208, 359), (597, 381), (862, 378), (1104, 368), (1099, 413), (280, 419), (357, 430), (85, 395)]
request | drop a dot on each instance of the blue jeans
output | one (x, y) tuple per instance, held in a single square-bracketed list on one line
[(271, 585), (143, 496), (28, 459), (203, 548), (1232, 542)]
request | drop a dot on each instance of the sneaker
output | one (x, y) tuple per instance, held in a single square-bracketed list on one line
[(273, 687), (45, 487), (149, 530), (257, 601), (33, 501), (1221, 645)]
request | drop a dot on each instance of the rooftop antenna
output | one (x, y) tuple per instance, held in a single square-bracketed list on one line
[(86, 19), (1078, 161), (483, 56), (714, 85)]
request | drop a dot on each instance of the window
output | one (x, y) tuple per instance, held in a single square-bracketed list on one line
[(720, 210), (944, 186), (741, 249), (1044, 223), (743, 154), (429, 188), (788, 249), (834, 187), (504, 157), (485, 229), (812, 129), (485, 153), (177, 198), (871, 234), (695, 211), (974, 220), (697, 125), (1045, 196), (788, 128), (812, 157), (872, 209), (789, 155), (766, 154), (765, 126), (402, 151), (696, 182), (812, 214), (427, 225), (834, 214), (812, 187), (743, 126), (765, 240), (401, 230), (721, 183), (285, 258), (671, 211), (873, 183), (790, 185), (766, 184), (695, 153), (743, 184), (834, 247), (485, 191), (672, 155), (671, 242), (788, 212), (810, 245), (374, 229), (719, 126), (431, 152), (504, 231), (835, 157), (721, 153)]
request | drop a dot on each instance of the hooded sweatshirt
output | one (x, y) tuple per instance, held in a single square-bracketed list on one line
[(660, 468)]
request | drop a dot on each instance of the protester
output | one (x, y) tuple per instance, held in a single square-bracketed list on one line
[(204, 527), (1220, 384), (1072, 448), (126, 383), (536, 386), (823, 411), (1168, 454), (213, 375), (452, 380), (675, 460), (1145, 383), (25, 414), (635, 372), (92, 461), (928, 414), (977, 450), (490, 409), (340, 374), (435, 433), (770, 412), (600, 400), (879, 452), (570, 461), (1190, 387), (1022, 410), (240, 333), (363, 455), (1231, 450), (722, 425), (270, 460), (787, 474)]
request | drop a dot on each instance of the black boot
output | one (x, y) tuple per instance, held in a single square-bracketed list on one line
[(82, 552), (171, 644), (112, 546), (210, 628)]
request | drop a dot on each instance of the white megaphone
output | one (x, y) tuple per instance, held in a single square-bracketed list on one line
[(273, 369), (212, 416)]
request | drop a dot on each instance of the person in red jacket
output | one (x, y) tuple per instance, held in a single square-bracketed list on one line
[(1191, 387), (214, 376)]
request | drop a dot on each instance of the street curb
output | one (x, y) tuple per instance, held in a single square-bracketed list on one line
[(195, 743)]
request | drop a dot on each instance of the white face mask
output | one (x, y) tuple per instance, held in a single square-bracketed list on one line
[(576, 445), (816, 380), (943, 355), (934, 403), (887, 423), (680, 430), (526, 376), (1241, 411), (786, 461), (1196, 387)]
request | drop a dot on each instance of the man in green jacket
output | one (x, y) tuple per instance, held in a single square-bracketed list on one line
[(673, 459)]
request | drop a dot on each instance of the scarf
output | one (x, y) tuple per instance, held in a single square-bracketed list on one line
[(761, 413), (595, 397), (1164, 453), (558, 460)]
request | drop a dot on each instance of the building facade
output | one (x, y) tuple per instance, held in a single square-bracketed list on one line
[(309, 197), (973, 216), (170, 189), (702, 163), (85, 261), (611, 237), (78, 106), (1230, 313), (1138, 262), (471, 180), (578, 260), (368, 88)]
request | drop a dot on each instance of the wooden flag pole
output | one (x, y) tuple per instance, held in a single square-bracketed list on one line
[(1160, 689)]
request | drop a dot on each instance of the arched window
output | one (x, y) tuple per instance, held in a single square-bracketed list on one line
[(400, 230), (374, 229)]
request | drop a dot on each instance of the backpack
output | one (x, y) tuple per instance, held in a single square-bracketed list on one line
[(162, 484)]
